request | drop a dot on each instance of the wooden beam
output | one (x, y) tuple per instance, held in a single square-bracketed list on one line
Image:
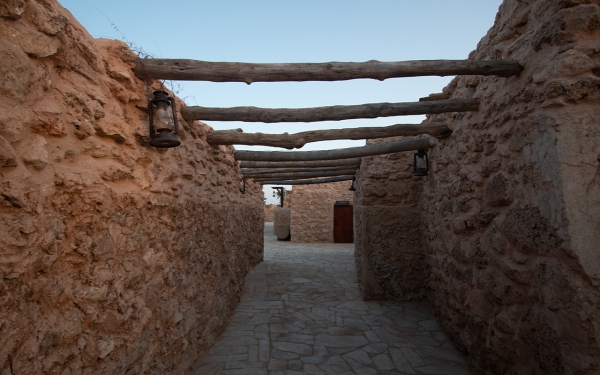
[(377, 149), (331, 113), (195, 70), (299, 164), (246, 171), (298, 140), (292, 175), (308, 182)]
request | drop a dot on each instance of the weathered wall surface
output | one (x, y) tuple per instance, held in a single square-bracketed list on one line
[(312, 210), (269, 212), (511, 219), (281, 216), (114, 257), (390, 261)]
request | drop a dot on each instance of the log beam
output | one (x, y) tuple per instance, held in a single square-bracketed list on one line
[(292, 175), (352, 152), (256, 171), (331, 113), (300, 164), (308, 182), (298, 140), (195, 70)]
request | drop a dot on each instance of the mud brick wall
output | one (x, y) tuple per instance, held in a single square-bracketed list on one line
[(512, 213), (510, 223), (281, 216), (390, 261), (269, 212), (312, 210), (115, 257)]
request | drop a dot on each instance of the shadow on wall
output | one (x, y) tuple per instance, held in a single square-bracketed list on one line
[(502, 236)]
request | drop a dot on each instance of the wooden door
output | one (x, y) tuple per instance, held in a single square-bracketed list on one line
[(343, 224)]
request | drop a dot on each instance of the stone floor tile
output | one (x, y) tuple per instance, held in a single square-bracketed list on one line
[(312, 369), (359, 368), (383, 362), (277, 365), (335, 365), (359, 356), (263, 350), (301, 313)]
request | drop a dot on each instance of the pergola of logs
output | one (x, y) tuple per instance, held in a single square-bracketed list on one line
[(326, 166)]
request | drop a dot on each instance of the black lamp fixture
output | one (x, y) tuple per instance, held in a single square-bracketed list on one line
[(163, 122), (243, 186), (421, 163), (281, 190), (352, 187)]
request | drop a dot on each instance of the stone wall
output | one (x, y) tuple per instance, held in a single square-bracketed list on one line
[(281, 216), (312, 210), (114, 257), (390, 261), (510, 222), (269, 212)]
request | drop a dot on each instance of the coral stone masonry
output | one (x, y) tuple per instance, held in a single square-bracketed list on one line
[(121, 258), (503, 236), (115, 257)]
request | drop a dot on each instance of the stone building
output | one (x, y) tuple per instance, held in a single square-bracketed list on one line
[(115, 257), (503, 235), (312, 216)]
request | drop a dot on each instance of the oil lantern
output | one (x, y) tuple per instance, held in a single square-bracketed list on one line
[(421, 163), (163, 122)]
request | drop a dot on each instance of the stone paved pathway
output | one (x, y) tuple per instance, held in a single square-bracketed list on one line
[(302, 314)]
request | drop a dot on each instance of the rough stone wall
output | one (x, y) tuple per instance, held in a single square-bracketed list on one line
[(281, 216), (511, 219), (114, 257), (269, 212), (512, 210), (390, 261), (312, 210)]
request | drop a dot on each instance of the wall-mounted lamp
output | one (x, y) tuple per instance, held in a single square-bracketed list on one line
[(421, 163), (352, 187), (243, 186), (163, 122), (281, 191)]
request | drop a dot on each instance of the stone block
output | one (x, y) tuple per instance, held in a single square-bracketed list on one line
[(498, 191), (35, 152), (7, 154)]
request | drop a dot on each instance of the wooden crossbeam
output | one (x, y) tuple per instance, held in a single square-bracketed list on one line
[(308, 182), (292, 175), (195, 70), (300, 164), (298, 140), (257, 171), (352, 152), (331, 113)]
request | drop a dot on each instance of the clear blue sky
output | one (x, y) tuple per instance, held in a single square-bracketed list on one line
[(296, 31)]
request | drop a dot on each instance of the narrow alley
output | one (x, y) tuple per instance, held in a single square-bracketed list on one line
[(302, 313)]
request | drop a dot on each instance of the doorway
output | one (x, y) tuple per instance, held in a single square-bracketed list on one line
[(343, 223)]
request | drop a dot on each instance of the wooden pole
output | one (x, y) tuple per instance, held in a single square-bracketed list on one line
[(308, 182), (298, 140), (246, 171), (194, 70), (377, 149), (331, 113), (292, 175), (300, 164)]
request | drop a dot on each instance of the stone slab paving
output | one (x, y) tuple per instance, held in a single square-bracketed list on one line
[(302, 314)]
